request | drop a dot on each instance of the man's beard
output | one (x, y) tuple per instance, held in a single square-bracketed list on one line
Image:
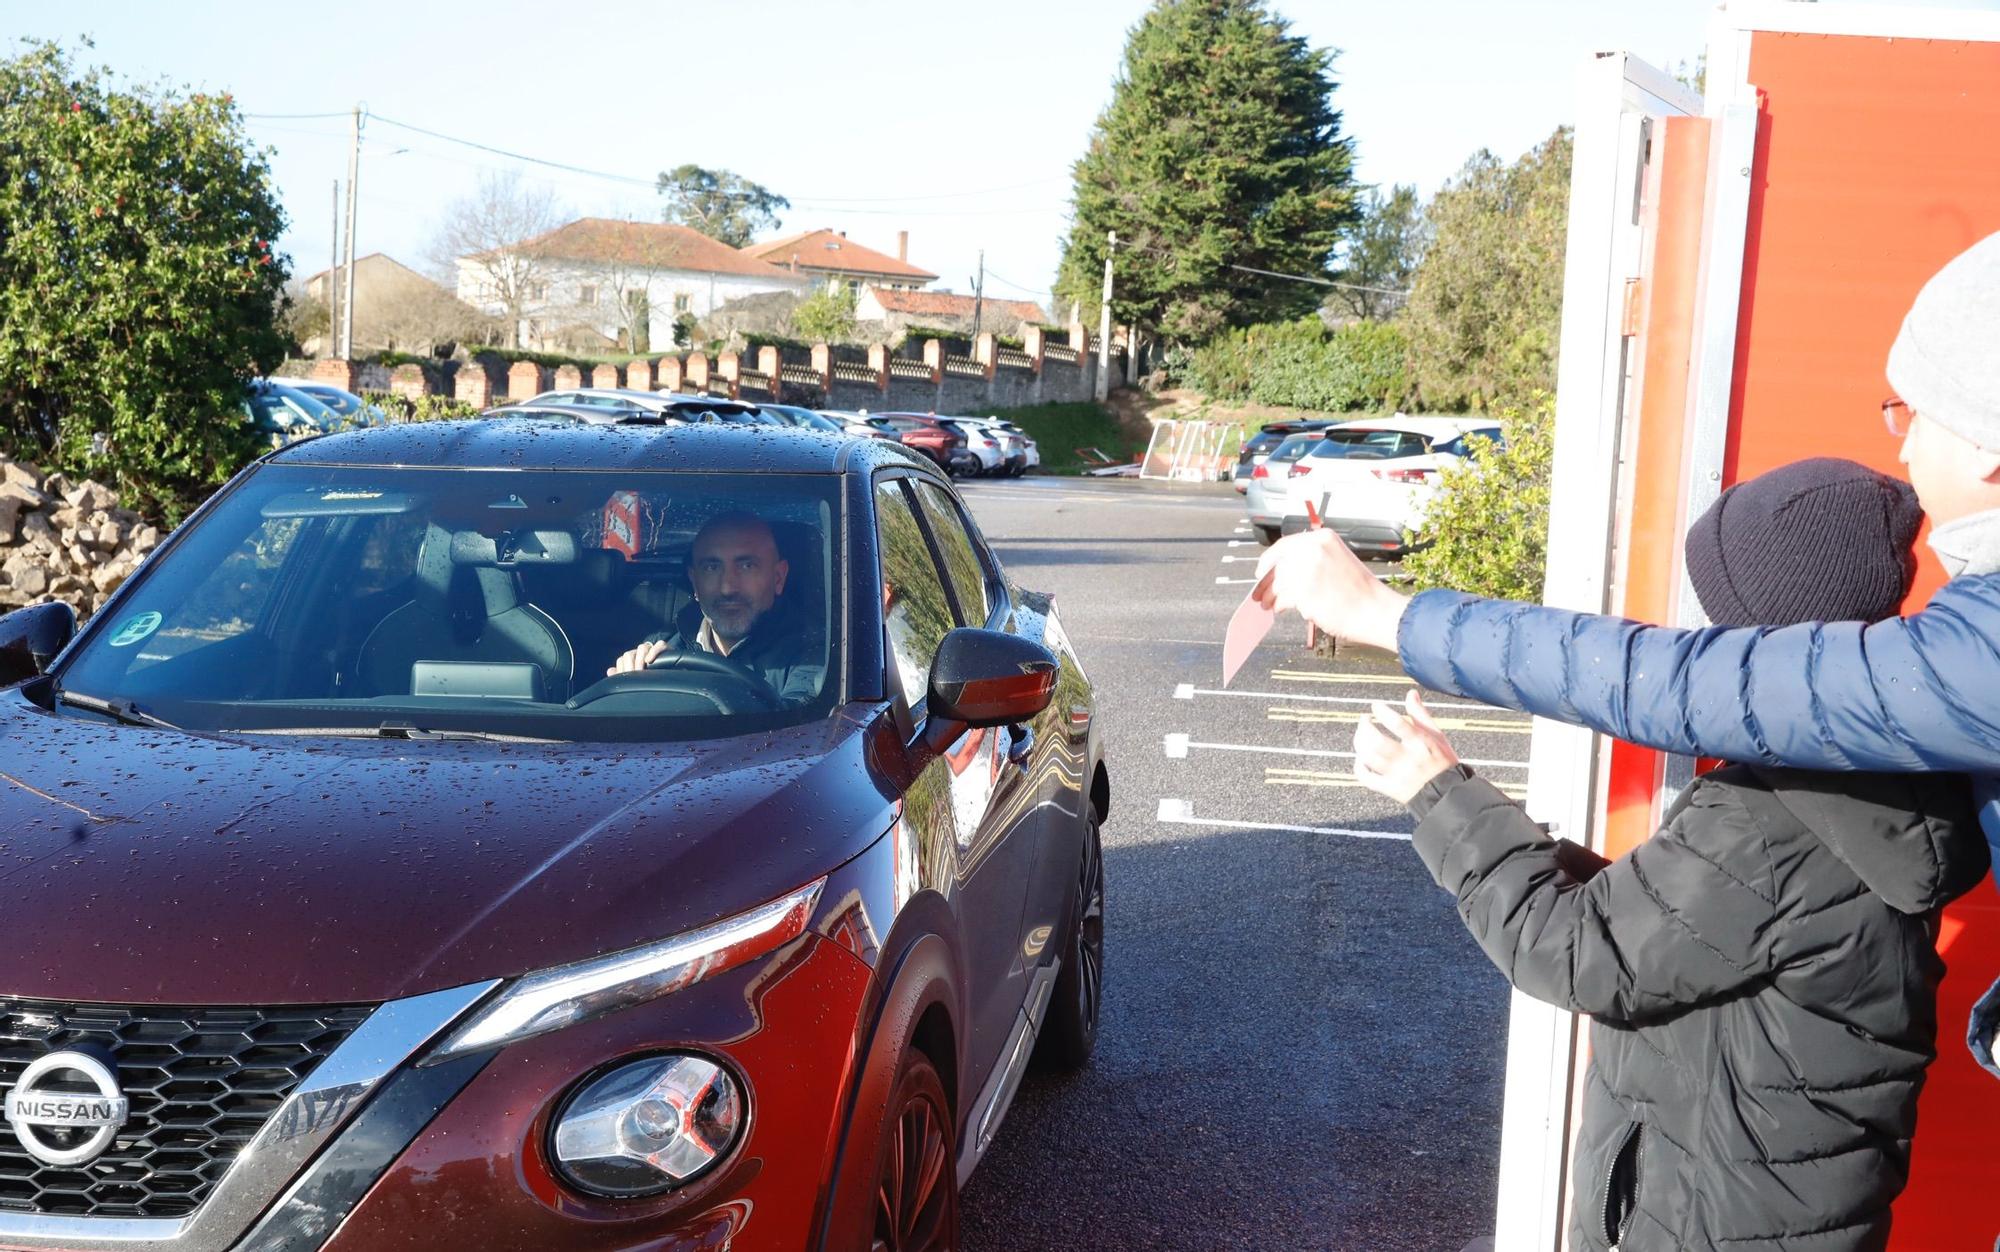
[(731, 619)]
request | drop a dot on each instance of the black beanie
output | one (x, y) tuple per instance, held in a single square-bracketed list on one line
[(1823, 540)]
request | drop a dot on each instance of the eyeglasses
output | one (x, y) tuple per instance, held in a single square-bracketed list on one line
[(1896, 416)]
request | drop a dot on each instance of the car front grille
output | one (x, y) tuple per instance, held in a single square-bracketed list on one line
[(201, 1081)]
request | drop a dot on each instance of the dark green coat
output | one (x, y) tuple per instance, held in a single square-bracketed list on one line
[(1763, 982)]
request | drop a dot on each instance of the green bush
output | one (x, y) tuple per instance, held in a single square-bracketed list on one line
[(139, 289), (1301, 364), (1487, 531), (424, 409)]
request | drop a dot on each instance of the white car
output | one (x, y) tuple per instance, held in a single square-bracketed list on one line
[(1002, 448), (1371, 482), (1033, 449)]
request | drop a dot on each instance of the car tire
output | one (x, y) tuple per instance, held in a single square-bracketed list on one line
[(1069, 1033), (916, 1172), (1267, 535)]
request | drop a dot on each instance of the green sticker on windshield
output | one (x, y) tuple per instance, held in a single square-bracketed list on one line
[(134, 629)]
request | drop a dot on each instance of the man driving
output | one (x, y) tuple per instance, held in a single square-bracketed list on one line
[(740, 611)]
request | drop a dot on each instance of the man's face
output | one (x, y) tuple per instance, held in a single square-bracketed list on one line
[(1953, 476), (737, 576)]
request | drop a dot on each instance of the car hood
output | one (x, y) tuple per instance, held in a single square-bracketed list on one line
[(146, 866)]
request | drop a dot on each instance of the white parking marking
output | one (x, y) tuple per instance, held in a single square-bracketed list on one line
[(1233, 582), (1239, 543), (1181, 813), (1293, 697), (1178, 746), (1232, 559)]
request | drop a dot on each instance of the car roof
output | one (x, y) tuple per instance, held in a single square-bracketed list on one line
[(506, 443), (1435, 427)]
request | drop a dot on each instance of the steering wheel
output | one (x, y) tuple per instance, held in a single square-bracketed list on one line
[(732, 686)]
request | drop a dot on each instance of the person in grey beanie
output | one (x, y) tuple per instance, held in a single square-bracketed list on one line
[(1744, 1091), (1903, 694)]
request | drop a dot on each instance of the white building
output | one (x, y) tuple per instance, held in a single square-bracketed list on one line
[(594, 282)]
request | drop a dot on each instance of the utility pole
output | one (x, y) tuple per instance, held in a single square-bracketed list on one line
[(1104, 324), (333, 279), (347, 299), (978, 295)]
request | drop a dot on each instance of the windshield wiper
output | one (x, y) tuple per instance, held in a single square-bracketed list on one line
[(117, 708), (390, 730)]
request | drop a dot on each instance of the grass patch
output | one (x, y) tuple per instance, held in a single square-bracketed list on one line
[(1060, 429)]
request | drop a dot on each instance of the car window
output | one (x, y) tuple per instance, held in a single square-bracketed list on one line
[(1462, 445), (914, 606), (961, 560), (346, 597), (1294, 448)]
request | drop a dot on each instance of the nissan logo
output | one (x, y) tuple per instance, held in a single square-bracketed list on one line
[(67, 1108)]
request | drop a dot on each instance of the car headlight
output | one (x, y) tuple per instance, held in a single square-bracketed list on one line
[(568, 994), (648, 1126)]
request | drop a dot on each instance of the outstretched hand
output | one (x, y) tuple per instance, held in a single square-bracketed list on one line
[(1316, 575), (1397, 752)]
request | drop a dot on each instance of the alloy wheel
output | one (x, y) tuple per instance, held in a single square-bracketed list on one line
[(1090, 933), (915, 1197)]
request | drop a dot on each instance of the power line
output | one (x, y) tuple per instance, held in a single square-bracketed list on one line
[(1324, 282), (293, 116)]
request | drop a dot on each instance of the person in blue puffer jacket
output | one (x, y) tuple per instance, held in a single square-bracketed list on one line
[(1918, 693)]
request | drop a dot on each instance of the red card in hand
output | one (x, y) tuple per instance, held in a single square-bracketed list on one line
[(1247, 628)]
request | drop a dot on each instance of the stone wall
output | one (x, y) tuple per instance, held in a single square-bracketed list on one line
[(65, 541), (1049, 368)]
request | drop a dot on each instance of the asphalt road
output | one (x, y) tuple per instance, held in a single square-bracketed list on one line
[(1301, 1047)]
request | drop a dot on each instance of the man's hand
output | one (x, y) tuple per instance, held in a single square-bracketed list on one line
[(1397, 752), (637, 659), (1317, 576)]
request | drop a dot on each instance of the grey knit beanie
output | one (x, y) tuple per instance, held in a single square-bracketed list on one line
[(1945, 362), (1823, 540)]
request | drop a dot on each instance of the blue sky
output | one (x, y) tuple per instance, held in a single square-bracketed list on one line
[(955, 122)]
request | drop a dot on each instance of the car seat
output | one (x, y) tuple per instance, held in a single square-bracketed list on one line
[(468, 607)]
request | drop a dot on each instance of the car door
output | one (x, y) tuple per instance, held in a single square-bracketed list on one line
[(1031, 802), (955, 788)]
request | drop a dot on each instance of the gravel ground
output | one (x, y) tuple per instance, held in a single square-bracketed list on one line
[(1301, 1047)]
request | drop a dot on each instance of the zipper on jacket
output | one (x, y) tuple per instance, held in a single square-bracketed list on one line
[(1630, 1143)]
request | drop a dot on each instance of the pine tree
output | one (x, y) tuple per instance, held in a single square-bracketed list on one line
[(1219, 148)]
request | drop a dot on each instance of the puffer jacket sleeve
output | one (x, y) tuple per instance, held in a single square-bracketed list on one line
[(1904, 694), (1684, 918)]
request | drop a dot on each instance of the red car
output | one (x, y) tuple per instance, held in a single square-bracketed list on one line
[(355, 903), (924, 433)]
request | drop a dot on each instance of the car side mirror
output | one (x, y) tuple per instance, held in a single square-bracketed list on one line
[(31, 637), (987, 678)]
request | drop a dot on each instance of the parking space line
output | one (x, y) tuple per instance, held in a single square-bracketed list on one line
[(1188, 691), (1324, 676), (1484, 725), (1226, 581), (1275, 776), (1181, 813), (1179, 747)]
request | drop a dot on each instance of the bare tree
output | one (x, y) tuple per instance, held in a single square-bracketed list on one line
[(485, 233)]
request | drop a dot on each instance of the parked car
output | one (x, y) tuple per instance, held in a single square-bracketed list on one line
[(1029, 446), (282, 411), (923, 433), (985, 450), (345, 403), (857, 424), (667, 404), (1269, 484), (1260, 445), (803, 419), (1373, 480), (598, 414), (1010, 444), (352, 903)]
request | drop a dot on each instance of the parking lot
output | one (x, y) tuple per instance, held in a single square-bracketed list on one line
[(1301, 1046)]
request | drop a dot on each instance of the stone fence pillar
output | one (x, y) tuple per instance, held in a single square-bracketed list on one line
[(409, 382), (878, 361), (934, 358), (473, 386), (729, 368), (769, 362), (672, 377), (639, 375), (1032, 344), (985, 350), (697, 373), (337, 372), (605, 375), (526, 379), (568, 377)]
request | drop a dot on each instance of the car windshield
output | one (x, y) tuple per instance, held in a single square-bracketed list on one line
[(1370, 444), (273, 408), (359, 600)]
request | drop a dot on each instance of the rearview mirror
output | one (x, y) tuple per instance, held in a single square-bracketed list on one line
[(990, 678), (31, 637)]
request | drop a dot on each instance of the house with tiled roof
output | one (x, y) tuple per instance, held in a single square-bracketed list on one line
[(601, 283), (896, 311), (830, 256)]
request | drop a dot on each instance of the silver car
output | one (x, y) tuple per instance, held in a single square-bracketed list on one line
[(1269, 490)]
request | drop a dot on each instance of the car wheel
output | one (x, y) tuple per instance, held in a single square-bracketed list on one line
[(916, 1188), (1070, 1032), (1267, 535)]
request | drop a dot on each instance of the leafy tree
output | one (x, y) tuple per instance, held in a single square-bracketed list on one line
[(1380, 255), (719, 204), (1304, 365), (1219, 149), (138, 286), (825, 316), (1485, 311), (1487, 530), (492, 231)]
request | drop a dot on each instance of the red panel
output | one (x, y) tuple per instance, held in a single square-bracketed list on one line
[(1875, 166)]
